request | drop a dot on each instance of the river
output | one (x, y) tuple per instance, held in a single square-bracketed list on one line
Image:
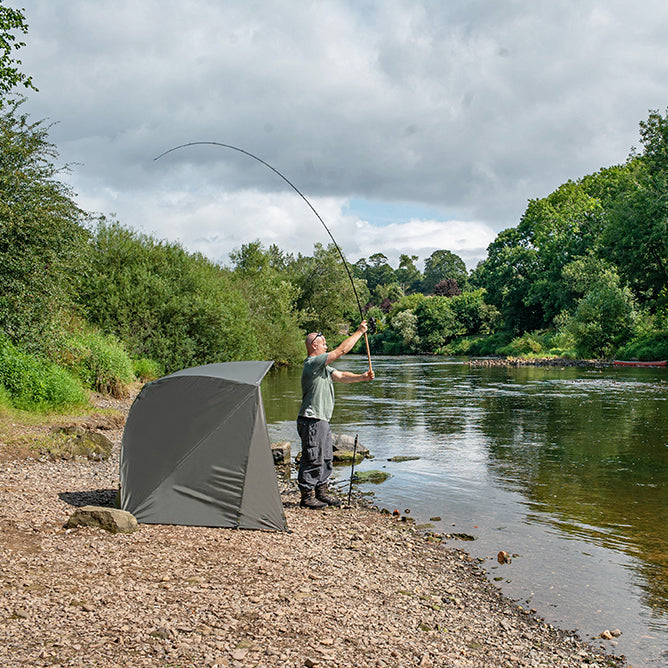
[(566, 469)]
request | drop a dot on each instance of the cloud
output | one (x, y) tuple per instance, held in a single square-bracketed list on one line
[(467, 108)]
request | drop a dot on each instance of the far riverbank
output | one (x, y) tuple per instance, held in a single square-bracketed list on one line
[(560, 362)]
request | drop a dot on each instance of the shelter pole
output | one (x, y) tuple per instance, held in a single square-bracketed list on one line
[(352, 467)]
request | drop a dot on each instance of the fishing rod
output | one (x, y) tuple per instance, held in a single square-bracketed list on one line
[(299, 192)]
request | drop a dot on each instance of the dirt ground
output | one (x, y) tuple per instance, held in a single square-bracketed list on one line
[(343, 587)]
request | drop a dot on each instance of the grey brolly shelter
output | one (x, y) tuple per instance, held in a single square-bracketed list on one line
[(196, 451)]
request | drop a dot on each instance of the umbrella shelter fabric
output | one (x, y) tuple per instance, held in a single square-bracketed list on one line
[(196, 451)]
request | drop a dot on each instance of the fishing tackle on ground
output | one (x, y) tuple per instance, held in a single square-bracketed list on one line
[(352, 469), (294, 187)]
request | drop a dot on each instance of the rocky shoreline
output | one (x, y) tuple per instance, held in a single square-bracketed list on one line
[(559, 362), (344, 587)]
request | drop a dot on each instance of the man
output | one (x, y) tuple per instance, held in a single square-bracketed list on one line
[(315, 412)]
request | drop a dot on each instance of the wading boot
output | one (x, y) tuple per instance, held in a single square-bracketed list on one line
[(309, 501), (322, 494)]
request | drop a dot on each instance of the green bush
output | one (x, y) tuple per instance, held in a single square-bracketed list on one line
[(647, 347), (478, 345), (473, 314), (530, 344), (436, 323), (490, 345), (459, 347), (166, 304), (603, 319), (5, 398), (404, 325), (100, 361), (34, 383), (43, 238), (147, 370)]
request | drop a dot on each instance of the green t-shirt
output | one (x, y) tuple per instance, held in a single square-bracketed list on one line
[(317, 388)]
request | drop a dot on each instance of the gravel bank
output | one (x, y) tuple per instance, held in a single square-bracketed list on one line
[(559, 362), (347, 587)]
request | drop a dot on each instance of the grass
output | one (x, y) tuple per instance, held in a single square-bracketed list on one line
[(26, 434), (34, 383), (99, 360)]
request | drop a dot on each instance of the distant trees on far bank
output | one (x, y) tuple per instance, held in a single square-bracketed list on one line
[(583, 274)]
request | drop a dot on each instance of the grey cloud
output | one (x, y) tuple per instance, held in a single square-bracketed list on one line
[(473, 107)]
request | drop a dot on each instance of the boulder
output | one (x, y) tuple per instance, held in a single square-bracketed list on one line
[(109, 519), (81, 442), (281, 452), (375, 477), (344, 446)]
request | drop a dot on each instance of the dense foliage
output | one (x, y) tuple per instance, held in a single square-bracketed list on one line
[(591, 259), (11, 20), (43, 238), (164, 303), (31, 382)]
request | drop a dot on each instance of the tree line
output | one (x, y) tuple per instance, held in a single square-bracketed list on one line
[(88, 303)]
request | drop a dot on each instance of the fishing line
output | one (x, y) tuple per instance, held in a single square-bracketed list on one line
[(317, 215), (293, 186)]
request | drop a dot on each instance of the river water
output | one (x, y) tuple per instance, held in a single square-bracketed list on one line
[(567, 469)]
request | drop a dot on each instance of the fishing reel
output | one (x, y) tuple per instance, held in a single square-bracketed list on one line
[(371, 325)]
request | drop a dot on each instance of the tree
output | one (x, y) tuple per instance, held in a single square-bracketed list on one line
[(511, 267), (523, 274), (603, 320), (448, 287), (605, 314), (405, 325), (654, 138), (10, 76), (561, 227), (326, 301), (472, 313), (436, 323), (43, 235), (264, 282), (387, 292), (408, 275), (164, 303), (441, 265), (376, 271), (637, 236)]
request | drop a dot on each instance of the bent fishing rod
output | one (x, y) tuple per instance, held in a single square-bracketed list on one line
[(299, 192)]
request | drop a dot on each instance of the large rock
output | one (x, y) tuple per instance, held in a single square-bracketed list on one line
[(281, 452), (344, 446), (375, 477), (80, 442), (109, 519)]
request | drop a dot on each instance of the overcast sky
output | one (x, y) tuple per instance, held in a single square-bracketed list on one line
[(410, 126)]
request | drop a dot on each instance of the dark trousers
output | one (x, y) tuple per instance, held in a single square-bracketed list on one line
[(315, 465)]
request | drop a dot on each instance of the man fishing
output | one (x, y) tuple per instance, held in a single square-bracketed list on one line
[(315, 412)]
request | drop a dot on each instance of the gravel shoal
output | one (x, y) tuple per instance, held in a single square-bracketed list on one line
[(344, 587)]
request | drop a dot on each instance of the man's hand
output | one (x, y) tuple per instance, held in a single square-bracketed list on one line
[(369, 375), (363, 328)]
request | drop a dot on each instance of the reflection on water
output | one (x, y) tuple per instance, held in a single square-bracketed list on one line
[(566, 467)]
